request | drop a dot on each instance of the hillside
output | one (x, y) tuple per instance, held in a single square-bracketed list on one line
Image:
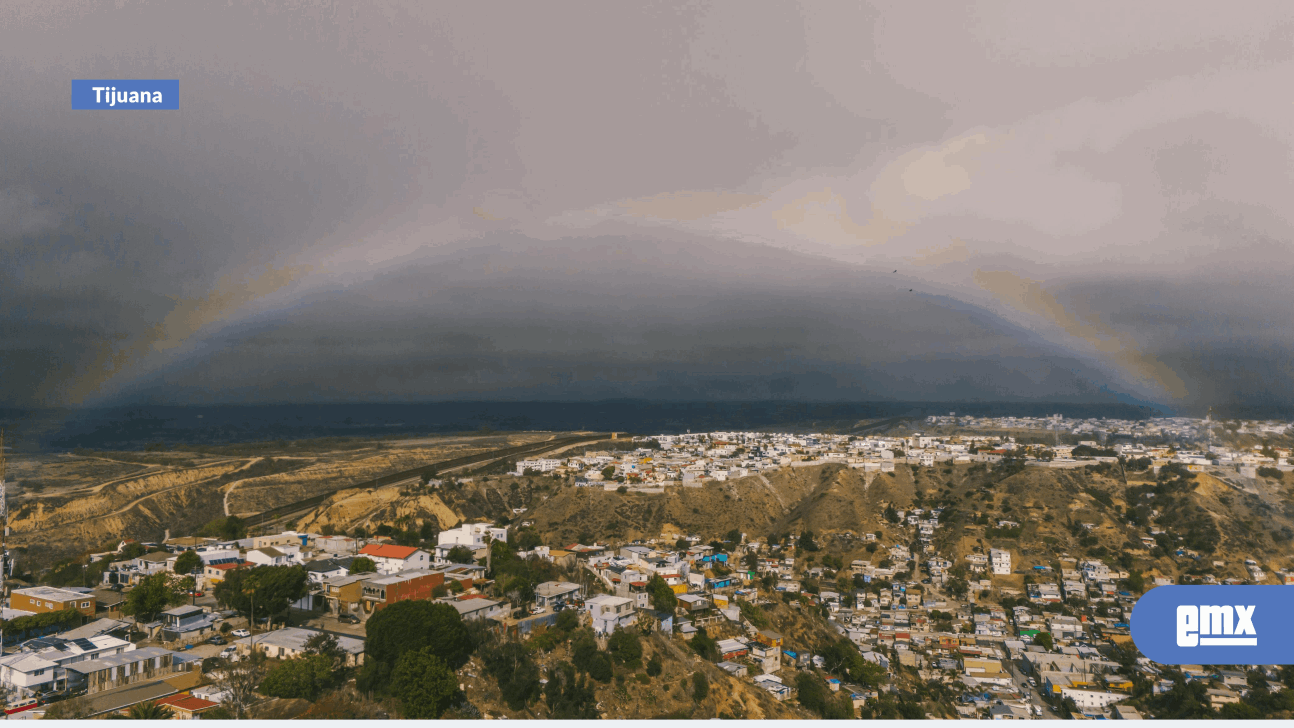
[(838, 504), (63, 505)]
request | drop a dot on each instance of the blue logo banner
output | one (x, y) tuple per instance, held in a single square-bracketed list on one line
[(1216, 625), (126, 94)]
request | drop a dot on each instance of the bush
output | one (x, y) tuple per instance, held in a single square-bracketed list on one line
[(424, 683), (518, 676), (705, 645), (655, 666), (303, 677), (1273, 473), (700, 686), (567, 620), (625, 648)]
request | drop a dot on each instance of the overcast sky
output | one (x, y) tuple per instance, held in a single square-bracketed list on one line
[(385, 201)]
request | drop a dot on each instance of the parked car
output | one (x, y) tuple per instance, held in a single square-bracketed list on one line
[(241, 633), (347, 619), (196, 593), (229, 653), (536, 609), (1033, 683), (216, 640)]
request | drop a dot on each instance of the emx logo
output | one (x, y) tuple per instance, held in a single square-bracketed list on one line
[(1219, 622), (1216, 625)]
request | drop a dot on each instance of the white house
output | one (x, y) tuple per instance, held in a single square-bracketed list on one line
[(290, 642), (275, 556), (480, 608), (609, 612), (42, 663), (543, 465), (470, 535), (393, 559), (1001, 561)]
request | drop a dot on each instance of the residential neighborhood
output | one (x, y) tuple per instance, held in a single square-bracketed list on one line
[(878, 620)]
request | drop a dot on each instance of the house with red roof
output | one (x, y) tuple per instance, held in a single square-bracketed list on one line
[(213, 574), (393, 559), (185, 706)]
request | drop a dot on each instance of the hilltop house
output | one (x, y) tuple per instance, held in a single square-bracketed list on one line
[(471, 535)]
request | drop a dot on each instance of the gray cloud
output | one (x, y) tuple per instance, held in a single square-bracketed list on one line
[(585, 200)]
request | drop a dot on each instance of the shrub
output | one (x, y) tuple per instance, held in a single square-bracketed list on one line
[(700, 686)]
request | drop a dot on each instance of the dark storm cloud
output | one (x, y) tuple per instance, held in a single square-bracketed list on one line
[(615, 317), (581, 200)]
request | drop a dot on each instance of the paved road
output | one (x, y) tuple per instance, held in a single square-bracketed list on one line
[(1022, 684)]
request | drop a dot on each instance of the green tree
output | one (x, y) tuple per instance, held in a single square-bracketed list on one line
[(152, 596), (662, 597), (700, 686), (843, 658), (133, 550), (625, 648), (813, 694), (270, 589), (517, 674), (1044, 640), (588, 658), (362, 565), (569, 697), (187, 562), (304, 677), (609, 472), (567, 620), (655, 666), (705, 645), (325, 645), (150, 711), (528, 539), (461, 555), (428, 531), (411, 626), (423, 682), (807, 543)]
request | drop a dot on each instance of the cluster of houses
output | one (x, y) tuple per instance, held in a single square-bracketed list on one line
[(693, 459), (990, 653), (1150, 428)]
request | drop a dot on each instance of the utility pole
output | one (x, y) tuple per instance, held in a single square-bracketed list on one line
[(252, 645)]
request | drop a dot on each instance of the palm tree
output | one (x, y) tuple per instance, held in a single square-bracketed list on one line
[(149, 711)]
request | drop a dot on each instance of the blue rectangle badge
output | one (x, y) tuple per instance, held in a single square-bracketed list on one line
[(126, 94)]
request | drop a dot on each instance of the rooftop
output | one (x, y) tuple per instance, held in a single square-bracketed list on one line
[(112, 700), (50, 593), (190, 703), (125, 658), (295, 638), (388, 551)]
